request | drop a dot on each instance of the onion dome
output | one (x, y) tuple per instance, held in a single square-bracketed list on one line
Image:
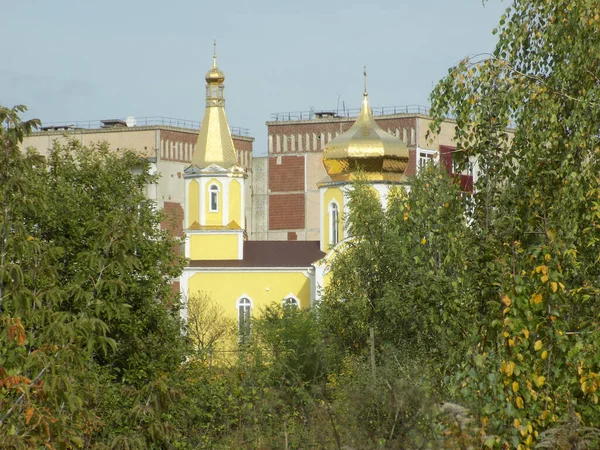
[(214, 75), (366, 148)]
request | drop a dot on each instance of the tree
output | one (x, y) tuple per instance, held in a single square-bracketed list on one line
[(86, 306), (535, 214), (207, 326), (405, 271)]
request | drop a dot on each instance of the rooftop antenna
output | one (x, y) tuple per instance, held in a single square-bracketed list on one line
[(365, 75)]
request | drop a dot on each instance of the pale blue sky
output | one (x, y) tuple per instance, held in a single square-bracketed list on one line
[(91, 60)]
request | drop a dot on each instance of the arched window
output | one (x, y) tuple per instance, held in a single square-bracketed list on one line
[(290, 302), (244, 307), (334, 216), (214, 198)]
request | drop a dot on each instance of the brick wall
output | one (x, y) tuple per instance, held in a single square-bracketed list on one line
[(286, 211), (312, 136), (179, 146), (174, 219), (286, 173)]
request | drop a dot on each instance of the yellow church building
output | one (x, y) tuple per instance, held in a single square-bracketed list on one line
[(244, 276)]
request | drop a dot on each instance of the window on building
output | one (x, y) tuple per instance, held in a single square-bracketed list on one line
[(334, 217), (291, 302), (244, 307), (214, 198), (425, 157)]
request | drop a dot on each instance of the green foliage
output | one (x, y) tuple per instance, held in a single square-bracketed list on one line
[(85, 301), (535, 213), (405, 272)]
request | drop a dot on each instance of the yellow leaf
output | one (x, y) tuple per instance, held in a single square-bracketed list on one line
[(519, 402), (547, 257), (554, 286), (539, 381), (536, 298), (562, 286), (515, 386), (423, 241), (544, 278), (406, 216), (525, 332), (506, 311), (516, 423), (506, 300), (510, 368), (537, 346)]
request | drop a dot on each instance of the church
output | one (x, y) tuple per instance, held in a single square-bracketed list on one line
[(243, 276)]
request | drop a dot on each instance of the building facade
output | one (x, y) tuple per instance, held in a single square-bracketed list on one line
[(167, 143), (285, 193)]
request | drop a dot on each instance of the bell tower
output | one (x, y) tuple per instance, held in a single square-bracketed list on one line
[(214, 183)]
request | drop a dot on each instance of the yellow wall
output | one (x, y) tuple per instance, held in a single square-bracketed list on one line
[(262, 288), (213, 218), (337, 195), (193, 202), (235, 202), (213, 246)]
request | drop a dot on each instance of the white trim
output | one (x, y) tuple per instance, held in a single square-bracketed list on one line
[(322, 218), (186, 202), (238, 304), (225, 199), (432, 155), (293, 297), (248, 269), (240, 246), (184, 279), (330, 222), (346, 215), (210, 194), (217, 231), (241, 297)]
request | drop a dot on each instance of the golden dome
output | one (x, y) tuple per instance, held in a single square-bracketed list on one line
[(214, 75), (366, 147)]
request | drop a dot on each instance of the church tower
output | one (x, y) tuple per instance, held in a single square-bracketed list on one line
[(214, 183), (365, 148)]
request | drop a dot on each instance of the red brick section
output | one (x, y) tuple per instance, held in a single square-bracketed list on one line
[(337, 126), (174, 220), (180, 137), (286, 212), (292, 236), (288, 175)]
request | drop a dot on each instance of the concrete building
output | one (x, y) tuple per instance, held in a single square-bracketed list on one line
[(168, 143)]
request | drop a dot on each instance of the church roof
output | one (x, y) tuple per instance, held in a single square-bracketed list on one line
[(270, 254), (214, 145), (366, 147)]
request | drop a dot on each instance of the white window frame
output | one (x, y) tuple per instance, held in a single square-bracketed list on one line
[(213, 189), (244, 302), (425, 157), (334, 225), (290, 300)]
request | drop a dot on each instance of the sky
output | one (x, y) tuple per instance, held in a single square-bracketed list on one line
[(91, 60)]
